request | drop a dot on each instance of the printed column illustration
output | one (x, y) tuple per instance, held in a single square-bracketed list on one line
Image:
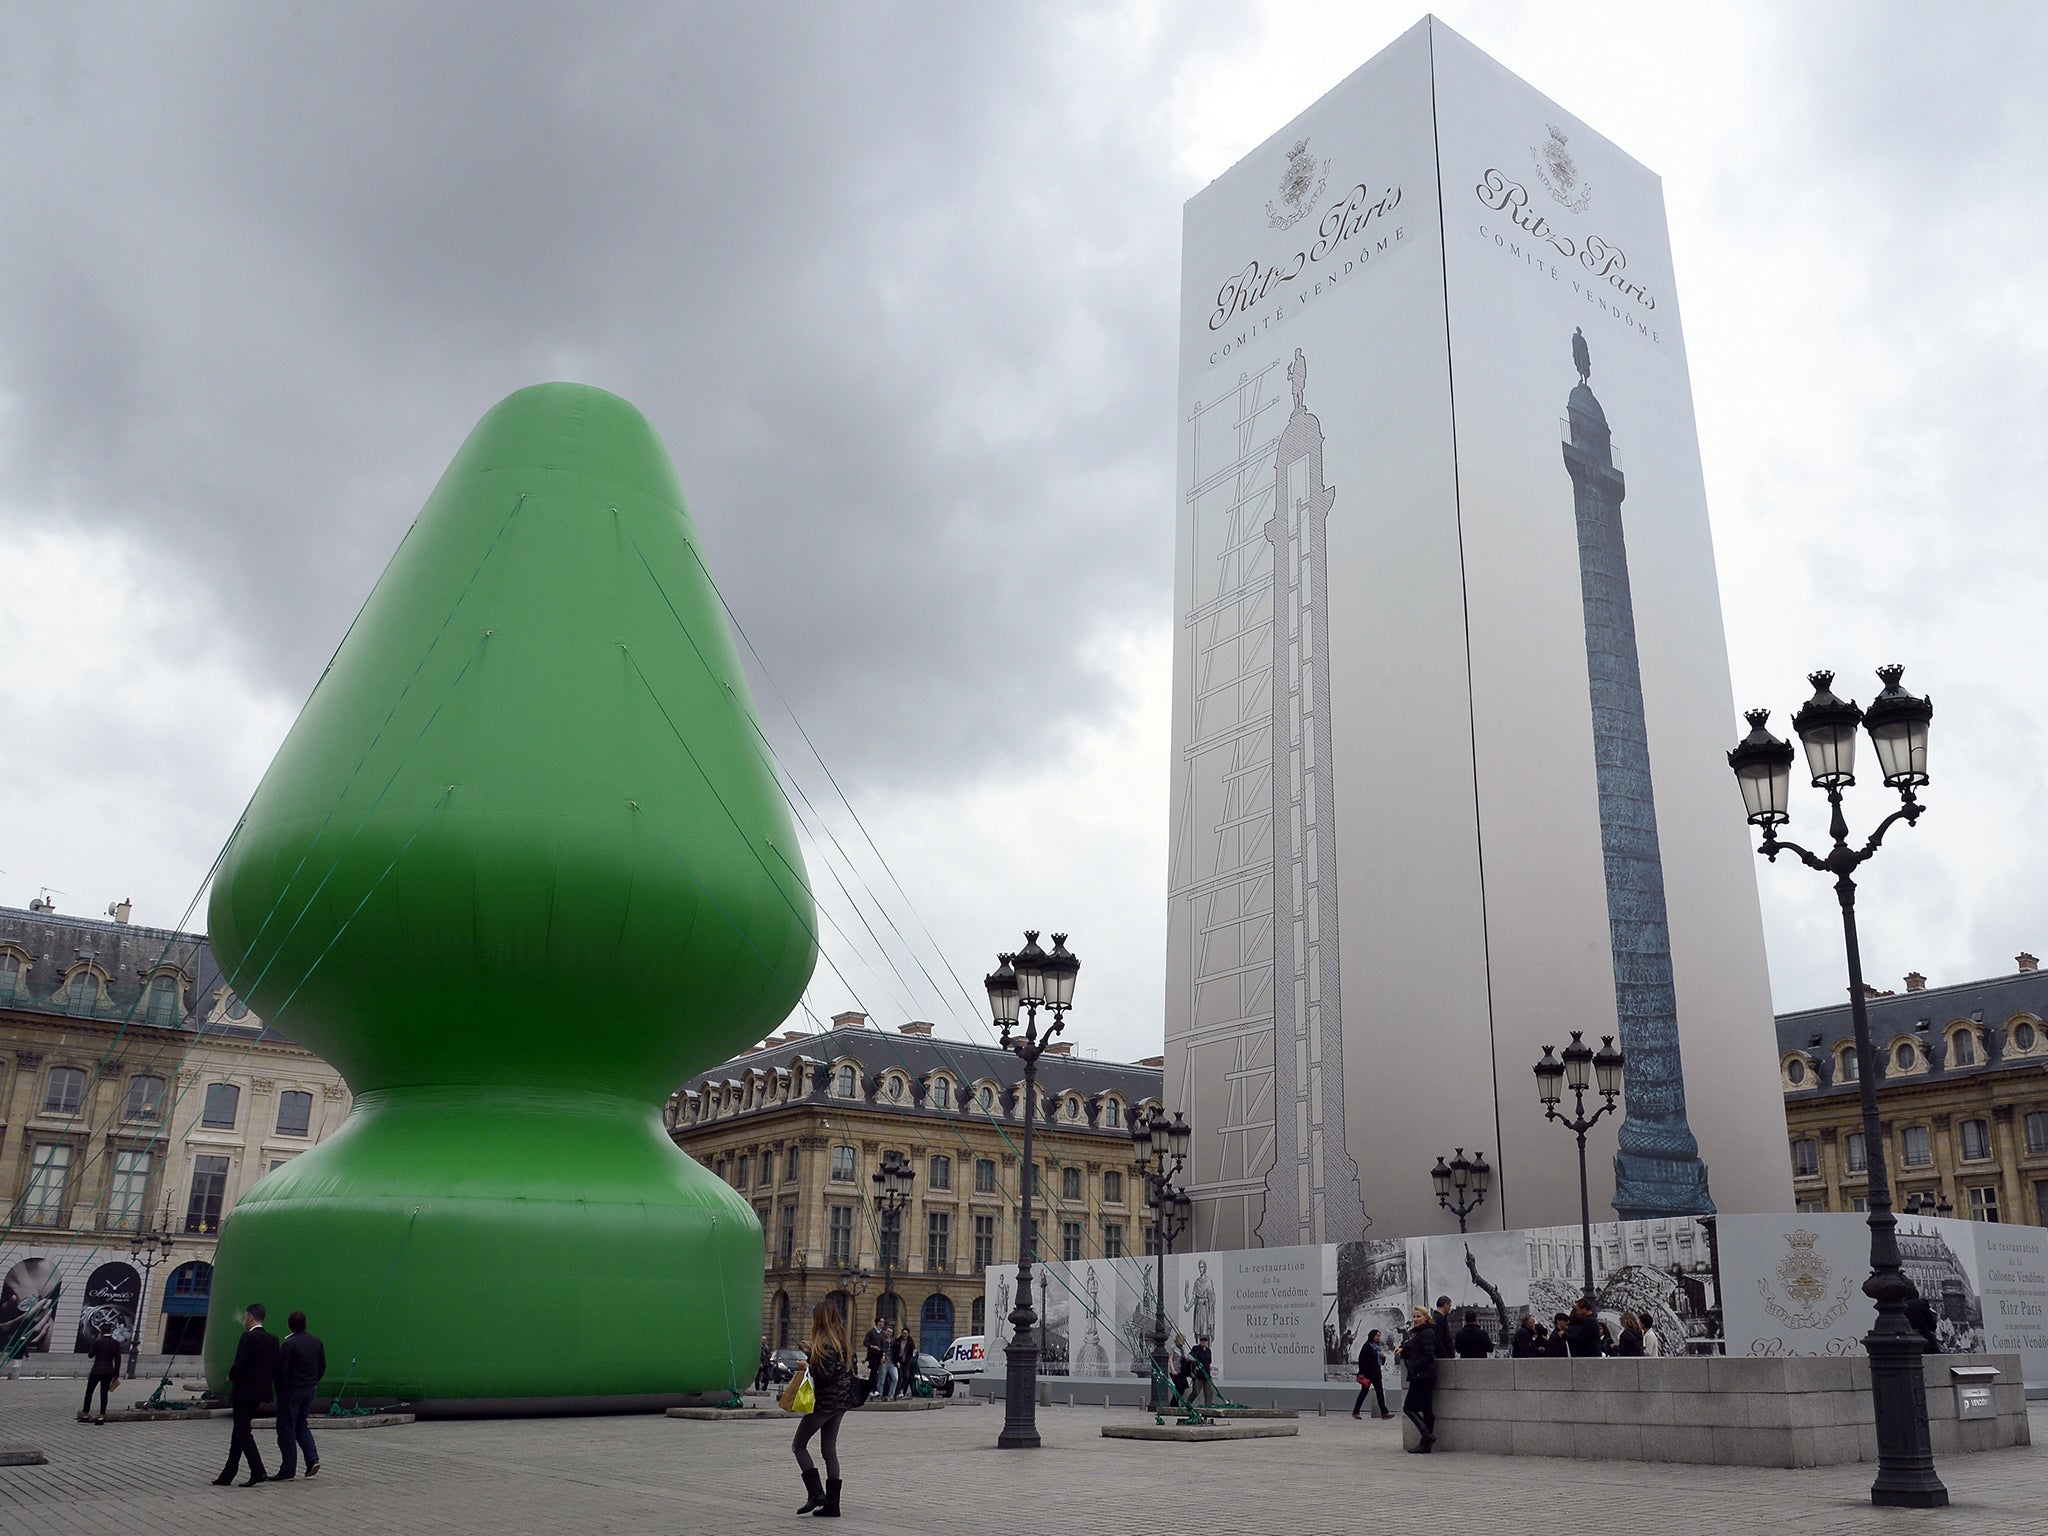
[(1312, 1193), (1657, 1171)]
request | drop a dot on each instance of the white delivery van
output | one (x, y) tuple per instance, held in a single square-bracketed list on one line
[(964, 1358)]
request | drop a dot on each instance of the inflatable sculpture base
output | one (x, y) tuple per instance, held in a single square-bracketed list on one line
[(519, 868)]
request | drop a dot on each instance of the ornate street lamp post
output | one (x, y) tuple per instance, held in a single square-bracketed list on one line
[(1162, 1152), (1581, 1067), (1459, 1179), (1826, 725), (1030, 979), (892, 1195), (150, 1247)]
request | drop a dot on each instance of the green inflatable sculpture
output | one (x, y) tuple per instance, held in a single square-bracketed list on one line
[(519, 868)]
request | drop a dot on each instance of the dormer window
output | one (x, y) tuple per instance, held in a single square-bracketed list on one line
[(2024, 1036), (164, 1003), (10, 974), (1112, 1114), (1073, 1109), (82, 989), (843, 1082), (895, 1086), (1795, 1072), (988, 1098), (942, 1093), (1962, 1048), (1846, 1065)]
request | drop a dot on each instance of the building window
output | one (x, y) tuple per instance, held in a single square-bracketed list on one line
[(1962, 1049), (1070, 1240), (843, 1084), (1976, 1141), (789, 1166), (984, 1176), (277, 1163), (1151, 1240), (1037, 1185), (235, 1009), (2023, 1036), (1984, 1202), (892, 1239), (979, 1313), (129, 1188), (1902, 1055), (1846, 1067), (1113, 1188), (2041, 1201), (1070, 1183), (1112, 1239), (842, 1165), (987, 1099), (209, 1187), (83, 989), (145, 1099), (942, 1093), (223, 1103), (1811, 1207), (1112, 1114), (1805, 1159), (10, 975), (65, 1091), (294, 1113), (785, 1238), (165, 1001), (1073, 1109), (1919, 1152), (1795, 1071), (839, 1235), (744, 1174), (942, 1172), (938, 1241), (1859, 1203), (1858, 1152), (42, 1204), (895, 1086), (984, 1241), (2037, 1132)]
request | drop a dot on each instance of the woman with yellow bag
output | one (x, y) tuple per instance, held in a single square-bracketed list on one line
[(820, 1396)]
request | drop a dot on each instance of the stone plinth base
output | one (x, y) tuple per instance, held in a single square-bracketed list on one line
[(1715, 1410), (731, 1413), (21, 1456), (1263, 1430)]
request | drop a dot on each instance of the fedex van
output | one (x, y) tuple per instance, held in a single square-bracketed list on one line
[(964, 1358)]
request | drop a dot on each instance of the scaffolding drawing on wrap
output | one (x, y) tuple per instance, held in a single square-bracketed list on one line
[(1248, 887)]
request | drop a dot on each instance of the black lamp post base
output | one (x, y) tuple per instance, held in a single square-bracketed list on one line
[(1020, 1399), (1906, 1478)]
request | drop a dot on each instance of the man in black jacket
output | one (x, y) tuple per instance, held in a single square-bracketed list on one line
[(1446, 1335), (1582, 1333), (301, 1362), (1203, 1365), (1473, 1342), (251, 1379)]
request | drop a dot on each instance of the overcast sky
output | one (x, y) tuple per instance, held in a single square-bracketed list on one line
[(896, 285)]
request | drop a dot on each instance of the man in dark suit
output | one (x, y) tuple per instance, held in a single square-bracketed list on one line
[(251, 1379), (301, 1362)]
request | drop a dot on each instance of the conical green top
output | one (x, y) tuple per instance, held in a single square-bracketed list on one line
[(524, 832)]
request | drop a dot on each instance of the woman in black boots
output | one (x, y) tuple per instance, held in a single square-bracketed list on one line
[(1419, 1357), (830, 1378)]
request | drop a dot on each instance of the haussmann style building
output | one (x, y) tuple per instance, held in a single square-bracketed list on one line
[(800, 1125)]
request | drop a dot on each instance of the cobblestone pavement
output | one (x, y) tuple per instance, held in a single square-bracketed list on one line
[(932, 1473)]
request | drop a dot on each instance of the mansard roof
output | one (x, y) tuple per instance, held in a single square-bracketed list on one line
[(1925, 1016)]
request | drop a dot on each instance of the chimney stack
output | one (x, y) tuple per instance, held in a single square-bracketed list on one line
[(849, 1021), (1915, 982), (2028, 962), (1060, 1048), (1151, 1061), (915, 1027), (119, 910)]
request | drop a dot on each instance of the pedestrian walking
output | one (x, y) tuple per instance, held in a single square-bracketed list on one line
[(1418, 1361), (1202, 1361), (830, 1368), (104, 1372), (1183, 1368), (1473, 1342), (301, 1363), (761, 1372), (906, 1363), (1372, 1372), (1530, 1339), (1653, 1341), (251, 1380), (1559, 1343), (1631, 1341)]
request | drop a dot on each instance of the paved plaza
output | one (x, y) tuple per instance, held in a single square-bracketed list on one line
[(930, 1473)]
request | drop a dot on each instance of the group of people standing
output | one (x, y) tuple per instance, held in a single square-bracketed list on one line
[(1431, 1338), (892, 1361), (1582, 1332)]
